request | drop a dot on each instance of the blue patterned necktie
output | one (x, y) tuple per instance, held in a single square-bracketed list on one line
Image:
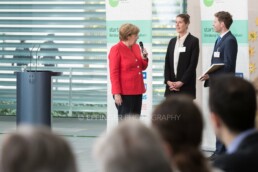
[(218, 40)]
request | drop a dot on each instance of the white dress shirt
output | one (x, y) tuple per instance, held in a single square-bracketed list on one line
[(179, 43)]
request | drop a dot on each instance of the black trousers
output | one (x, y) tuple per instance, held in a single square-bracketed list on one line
[(131, 106)]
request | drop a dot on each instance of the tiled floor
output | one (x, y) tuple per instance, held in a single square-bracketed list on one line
[(80, 133)]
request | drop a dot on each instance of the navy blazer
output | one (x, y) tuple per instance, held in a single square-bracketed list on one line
[(228, 55), (244, 159), (186, 69)]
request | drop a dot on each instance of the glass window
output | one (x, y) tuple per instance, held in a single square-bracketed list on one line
[(69, 36)]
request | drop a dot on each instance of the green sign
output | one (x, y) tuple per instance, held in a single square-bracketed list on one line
[(145, 27), (208, 3), (239, 29), (113, 3)]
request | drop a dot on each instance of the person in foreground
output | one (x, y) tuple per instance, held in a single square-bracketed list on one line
[(255, 83), (179, 122), (131, 147), (181, 60), (33, 149), (233, 106), (126, 63), (225, 52)]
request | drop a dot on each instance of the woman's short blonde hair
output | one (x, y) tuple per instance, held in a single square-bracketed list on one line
[(127, 30)]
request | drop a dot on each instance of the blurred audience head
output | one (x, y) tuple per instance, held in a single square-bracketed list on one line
[(36, 150), (232, 104), (180, 123), (255, 83), (131, 147)]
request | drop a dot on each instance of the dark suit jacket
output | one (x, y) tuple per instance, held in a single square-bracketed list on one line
[(245, 159), (186, 69), (228, 55)]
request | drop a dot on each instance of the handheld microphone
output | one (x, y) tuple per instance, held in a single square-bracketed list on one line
[(142, 48), (141, 45)]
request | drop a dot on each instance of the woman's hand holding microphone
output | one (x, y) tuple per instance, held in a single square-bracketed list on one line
[(144, 51)]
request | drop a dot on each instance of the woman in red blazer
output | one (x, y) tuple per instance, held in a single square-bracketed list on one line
[(126, 63)]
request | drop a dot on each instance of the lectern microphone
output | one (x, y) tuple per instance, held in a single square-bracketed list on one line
[(37, 57), (31, 55)]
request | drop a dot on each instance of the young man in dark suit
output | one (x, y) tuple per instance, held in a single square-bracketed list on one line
[(233, 107), (225, 51)]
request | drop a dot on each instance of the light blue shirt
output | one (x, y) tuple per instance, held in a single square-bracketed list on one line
[(236, 142)]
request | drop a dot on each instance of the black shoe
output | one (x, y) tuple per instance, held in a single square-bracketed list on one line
[(213, 157)]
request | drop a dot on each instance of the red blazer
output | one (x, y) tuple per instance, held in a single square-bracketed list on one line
[(126, 66)]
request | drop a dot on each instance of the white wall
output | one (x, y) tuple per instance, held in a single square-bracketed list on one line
[(193, 9), (253, 27)]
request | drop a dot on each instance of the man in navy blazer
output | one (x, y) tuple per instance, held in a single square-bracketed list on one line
[(233, 107), (225, 51)]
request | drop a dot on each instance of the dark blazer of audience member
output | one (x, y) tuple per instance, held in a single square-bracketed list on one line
[(255, 83), (233, 106), (131, 147), (179, 122), (181, 60), (36, 149), (126, 63), (225, 48)]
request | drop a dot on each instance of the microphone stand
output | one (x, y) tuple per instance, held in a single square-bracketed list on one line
[(31, 55), (37, 57)]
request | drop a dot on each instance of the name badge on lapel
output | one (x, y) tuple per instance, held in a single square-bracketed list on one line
[(181, 49), (216, 54)]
